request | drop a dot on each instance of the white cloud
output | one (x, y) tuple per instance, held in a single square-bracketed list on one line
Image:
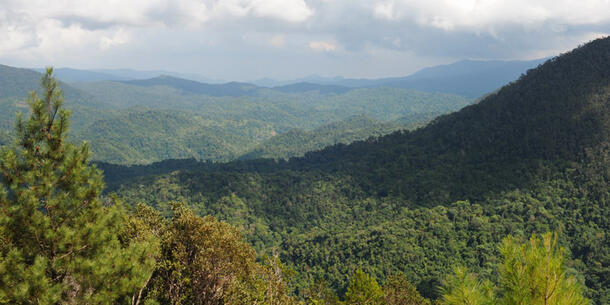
[(286, 10), (25, 22), (199, 34), (116, 39), (322, 46), (481, 15)]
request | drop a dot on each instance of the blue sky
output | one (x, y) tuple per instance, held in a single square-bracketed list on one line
[(250, 39)]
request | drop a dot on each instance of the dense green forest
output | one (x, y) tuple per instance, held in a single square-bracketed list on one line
[(456, 212), (532, 157), (139, 122), (62, 243), (297, 142)]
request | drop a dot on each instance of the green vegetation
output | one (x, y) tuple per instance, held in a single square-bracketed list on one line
[(531, 273), (60, 244), (297, 142), (354, 224), (140, 122), (530, 158)]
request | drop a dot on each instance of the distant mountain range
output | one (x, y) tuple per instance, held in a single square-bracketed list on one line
[(147, 120), (79, 75), (468, 78)]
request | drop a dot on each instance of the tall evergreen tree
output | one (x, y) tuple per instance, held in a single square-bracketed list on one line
[(532, 273), (59, 243)]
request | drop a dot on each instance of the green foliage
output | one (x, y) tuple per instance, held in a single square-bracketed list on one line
[(295, 143), (464, 288), (397, 291), (204, 261), (531, 273), (363, 290), (530, 158), (59, 243), (318, 293), (535, 273)]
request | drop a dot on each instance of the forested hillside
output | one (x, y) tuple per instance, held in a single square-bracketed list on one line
[(143, 121), (295, 143), (530, 158)]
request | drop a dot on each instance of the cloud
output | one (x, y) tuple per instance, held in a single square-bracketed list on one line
[(322, 46), (477, 15), (253, 35), (286, 10), (116, 39)]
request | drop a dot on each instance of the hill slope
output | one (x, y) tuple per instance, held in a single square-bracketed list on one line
[(15, 85), (135, 123), (297, 142), (530, 158)]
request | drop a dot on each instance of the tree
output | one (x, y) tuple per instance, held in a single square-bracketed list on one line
[(363, 290), (318, 293), (206, 261), (463, 288), (534, 273), (397, 291), (58, 243)]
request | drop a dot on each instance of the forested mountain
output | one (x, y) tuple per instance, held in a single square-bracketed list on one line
[(15, 85), (150, 120), (529, 158), (297, 142), (194, 87)]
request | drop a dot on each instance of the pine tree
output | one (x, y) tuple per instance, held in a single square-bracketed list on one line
[(534, 273), (58, 243), (363, 290), (463, 288)]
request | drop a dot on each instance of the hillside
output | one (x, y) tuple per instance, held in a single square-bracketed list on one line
[(193, 87), (297, 142), (530, 158), (227, 127), (143, 121), (15, 85)]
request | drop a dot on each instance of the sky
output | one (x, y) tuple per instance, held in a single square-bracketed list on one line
[(285, 39)]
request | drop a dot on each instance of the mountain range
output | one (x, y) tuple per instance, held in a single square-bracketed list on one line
[(148, 120), (469, 78), (529, 158)]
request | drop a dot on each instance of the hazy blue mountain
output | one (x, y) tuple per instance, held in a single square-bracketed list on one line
[(306, 87), (130, 74), (315, 79), (77, 75), (469, 78), (193, 87)]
